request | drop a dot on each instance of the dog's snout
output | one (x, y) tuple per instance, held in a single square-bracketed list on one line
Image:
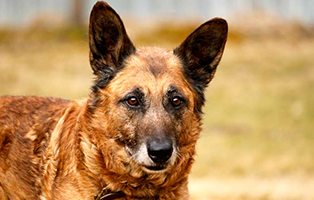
[(160, 150)]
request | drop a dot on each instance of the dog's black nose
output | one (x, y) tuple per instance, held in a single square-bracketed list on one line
[(159, 151)]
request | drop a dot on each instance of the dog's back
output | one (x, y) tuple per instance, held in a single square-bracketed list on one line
[(25, 127)]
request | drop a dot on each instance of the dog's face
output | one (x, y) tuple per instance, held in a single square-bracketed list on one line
[(153, 102), (147, 101)]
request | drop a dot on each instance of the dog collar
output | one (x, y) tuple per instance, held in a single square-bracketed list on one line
[(106, 194)]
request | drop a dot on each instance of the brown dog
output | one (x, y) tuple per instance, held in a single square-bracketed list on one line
[(133, 138)]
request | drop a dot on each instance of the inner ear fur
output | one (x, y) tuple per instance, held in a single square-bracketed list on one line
[(202, 50), (108, 41)]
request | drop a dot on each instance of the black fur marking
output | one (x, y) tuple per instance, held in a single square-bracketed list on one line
[(191, 77), (156, 70), (170, 108), (138, 93)]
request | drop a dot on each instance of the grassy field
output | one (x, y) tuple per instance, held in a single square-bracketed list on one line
[(258, 132), (258, 139)]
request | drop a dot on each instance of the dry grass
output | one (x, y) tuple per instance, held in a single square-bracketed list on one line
[(258, 138), (286, 188)]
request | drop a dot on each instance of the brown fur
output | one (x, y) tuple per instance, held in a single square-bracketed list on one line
[(59, 149)]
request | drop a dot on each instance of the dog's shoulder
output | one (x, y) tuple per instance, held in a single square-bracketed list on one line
[(26, 124)]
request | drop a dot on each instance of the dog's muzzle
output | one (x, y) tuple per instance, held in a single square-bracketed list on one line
[(155, 155)]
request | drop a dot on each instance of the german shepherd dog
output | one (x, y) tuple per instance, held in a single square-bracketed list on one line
[(133, 138)]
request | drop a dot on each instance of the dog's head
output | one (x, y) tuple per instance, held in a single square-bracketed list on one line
[(147, 102)]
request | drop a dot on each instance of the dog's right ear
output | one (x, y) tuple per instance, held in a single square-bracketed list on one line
[(108, 41)]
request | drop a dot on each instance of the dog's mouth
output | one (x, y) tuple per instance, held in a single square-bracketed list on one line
[(155, 168)]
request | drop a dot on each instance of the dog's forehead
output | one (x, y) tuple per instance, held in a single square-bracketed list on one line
[(154, 60), (153, 69)]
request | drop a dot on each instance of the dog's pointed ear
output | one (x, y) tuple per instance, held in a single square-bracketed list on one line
[(108, 41), (202, 51)]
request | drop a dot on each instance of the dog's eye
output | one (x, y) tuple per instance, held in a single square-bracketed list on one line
[(132, 102), (176, 102)]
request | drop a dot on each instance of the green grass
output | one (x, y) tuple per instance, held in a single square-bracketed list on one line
[(259, 117)]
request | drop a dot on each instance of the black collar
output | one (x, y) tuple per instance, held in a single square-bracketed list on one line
[(106, 194)]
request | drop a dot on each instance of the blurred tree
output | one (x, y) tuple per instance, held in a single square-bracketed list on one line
[(77, 12)]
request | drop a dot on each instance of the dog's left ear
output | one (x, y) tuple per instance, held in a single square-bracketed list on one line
[(108, 41), (202, 51)]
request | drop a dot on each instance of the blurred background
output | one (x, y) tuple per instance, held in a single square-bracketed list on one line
[(258, 133)]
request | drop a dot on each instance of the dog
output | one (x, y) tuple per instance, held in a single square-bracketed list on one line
[(134, 137)]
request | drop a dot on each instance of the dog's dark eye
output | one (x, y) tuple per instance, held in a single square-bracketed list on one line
[(176, 102), (132, 102)]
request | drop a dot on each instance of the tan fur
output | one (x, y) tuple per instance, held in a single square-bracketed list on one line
[(55, 149)]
